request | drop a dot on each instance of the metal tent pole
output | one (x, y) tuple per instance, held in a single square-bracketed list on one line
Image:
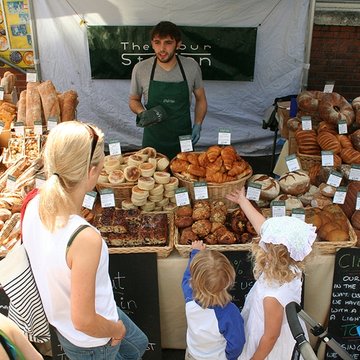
[(35, 40)]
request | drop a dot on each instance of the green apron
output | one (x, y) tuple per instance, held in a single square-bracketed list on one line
[(174, 98)]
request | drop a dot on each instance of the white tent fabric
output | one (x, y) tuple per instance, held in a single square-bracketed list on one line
[(238, 106)]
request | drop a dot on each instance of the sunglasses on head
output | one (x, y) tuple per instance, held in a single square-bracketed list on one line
[(94, 141)]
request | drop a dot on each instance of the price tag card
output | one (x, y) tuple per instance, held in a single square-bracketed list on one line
[(292, 162), (357, 207), (200, 191), (306, 123), (224, 137), (39, 181), (2, 125), (182, 197), (253, 191), (2, 92), (107, 198), (354, 172), (10, 182), (327, 158), (334, 179), (278, 208), (342, 127), (114, 147), (185, 143), (340, 194), (19, 128), (51, 123), (298, 213), (38, 129), (329, 86), (89, 200), (31, 76)]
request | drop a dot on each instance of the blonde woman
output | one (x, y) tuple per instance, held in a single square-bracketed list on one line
[(278, 264), (215, 328), (69, 258)]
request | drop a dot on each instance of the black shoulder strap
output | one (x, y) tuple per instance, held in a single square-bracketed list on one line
[(74, 234)]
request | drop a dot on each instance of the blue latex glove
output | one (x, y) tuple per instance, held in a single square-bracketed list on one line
[(195, 135)]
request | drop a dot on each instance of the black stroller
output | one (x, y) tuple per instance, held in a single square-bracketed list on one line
[(293, 310)]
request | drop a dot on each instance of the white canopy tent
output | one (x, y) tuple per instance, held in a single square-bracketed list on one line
[(239, 106)]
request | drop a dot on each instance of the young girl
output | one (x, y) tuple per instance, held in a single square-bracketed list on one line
[(278, 264), (215, 326)]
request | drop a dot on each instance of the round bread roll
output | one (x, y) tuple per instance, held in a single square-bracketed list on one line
[(138, 202), (172, 200), (157, 190), (162, 164), (183, 221), (132, 173), (149, 206), (127, 205), (169, 207), (152, 161), (270, 187), (162, 177), (135, 160), (294, 183), (103, 177), (144, 157), (327, 190), (147, 169), (112, 164), (162, 202), (291, 202), (169, 193), (185, 210), (139, 194), (146, 183), (173, 184), (149, 151), (156, 198), (116, 177)]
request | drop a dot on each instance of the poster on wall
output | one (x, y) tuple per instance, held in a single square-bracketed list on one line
[(223, 53), (15, 34)]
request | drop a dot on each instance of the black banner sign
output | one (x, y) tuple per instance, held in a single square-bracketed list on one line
[(223, 53)]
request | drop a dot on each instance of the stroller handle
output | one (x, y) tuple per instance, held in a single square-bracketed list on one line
[(297, 331)]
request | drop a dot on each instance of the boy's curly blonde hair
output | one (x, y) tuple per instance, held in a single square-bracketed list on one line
[(212, 276)]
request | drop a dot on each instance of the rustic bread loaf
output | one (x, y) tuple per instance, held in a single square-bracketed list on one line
[(270, 187), (329, 141), (294, 182)]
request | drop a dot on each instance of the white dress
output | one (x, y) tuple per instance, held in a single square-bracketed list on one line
[(253, 314)]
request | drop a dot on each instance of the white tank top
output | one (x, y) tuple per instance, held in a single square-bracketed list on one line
[(47, 254)]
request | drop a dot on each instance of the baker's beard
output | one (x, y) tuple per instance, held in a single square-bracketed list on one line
[(167, 58)]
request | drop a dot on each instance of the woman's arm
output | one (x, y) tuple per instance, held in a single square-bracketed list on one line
[(255, 217), (83, 259), (273, 316), (18, 338)]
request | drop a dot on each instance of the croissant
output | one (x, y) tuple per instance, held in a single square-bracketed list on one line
[(197, 170), (218, 177), (193, 158), (238, 168), (228, 155), (213, 152), (178, 165), (215, 166), (203, 160), (182, 156)]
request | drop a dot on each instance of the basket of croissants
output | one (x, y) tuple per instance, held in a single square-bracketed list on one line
[(221, 167)]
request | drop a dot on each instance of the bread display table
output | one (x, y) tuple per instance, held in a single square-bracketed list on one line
[(318, 286)]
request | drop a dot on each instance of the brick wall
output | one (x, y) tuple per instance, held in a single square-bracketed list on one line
[(335, 56)]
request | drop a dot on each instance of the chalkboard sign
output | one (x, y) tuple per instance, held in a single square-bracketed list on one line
[(344, 317), (135, 287), (244, 275)]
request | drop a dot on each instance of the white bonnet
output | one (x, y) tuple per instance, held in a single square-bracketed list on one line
[(295, 234)]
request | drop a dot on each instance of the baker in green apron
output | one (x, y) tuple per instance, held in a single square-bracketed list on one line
[(167, 82)]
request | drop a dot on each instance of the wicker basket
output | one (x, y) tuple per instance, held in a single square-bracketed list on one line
[(216, 191), (122, 191), (162, 251), (325, 247), (307, 161)]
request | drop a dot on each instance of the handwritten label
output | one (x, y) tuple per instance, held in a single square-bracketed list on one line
[(182, 197), (114, 147), (185, 143), (224, 137), (306, 123), (200, 191), (292, 162), (253, 191)]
